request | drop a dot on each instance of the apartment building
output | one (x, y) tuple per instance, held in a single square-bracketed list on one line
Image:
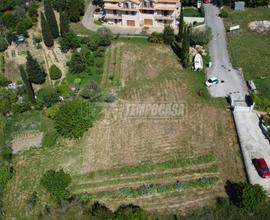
[(141, 13)]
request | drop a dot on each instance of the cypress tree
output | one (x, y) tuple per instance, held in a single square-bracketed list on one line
[(35, 72), (46, 32), (181, 25), (51, 20), (185, 48), (74, 11), (64, 23), (28, 85)]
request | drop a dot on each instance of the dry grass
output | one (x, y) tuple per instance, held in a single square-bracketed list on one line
[(147, 74)]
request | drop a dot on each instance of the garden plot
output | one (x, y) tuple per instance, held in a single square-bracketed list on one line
[(118, 151)]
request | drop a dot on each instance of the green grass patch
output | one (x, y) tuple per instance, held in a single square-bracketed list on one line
[(155, 189), (145, 168), (79, 29), (191, 12), (250, 50), (211, 169)]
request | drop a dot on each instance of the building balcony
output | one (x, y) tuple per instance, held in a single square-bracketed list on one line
[(165, 17), (112, 16)]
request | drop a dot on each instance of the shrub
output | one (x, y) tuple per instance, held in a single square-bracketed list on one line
[(250, 197), (63, 89), (7, 98), (32, 200), (56, 183), (6, 173), (91, 91), (74, 118), (20, 107), (168, 34), (261, 103), (224, 13), (69, 41), (51, 111), (105, 35), (100, 211), (201, 37), (47, 96), (3, 44), (55, 72), (23, 25), (110, 98), (156, 38)]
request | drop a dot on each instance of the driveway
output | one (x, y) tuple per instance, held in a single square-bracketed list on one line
[(253, 145), (221, 66), (88, 22)]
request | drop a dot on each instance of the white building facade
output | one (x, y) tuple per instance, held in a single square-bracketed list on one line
[(142, 13)]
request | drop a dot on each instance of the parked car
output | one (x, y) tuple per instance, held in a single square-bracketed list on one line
[(261, 167), (110, 22), (211, 81)]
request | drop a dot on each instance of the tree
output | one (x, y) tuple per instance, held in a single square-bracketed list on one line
[(181, 25), (23, 25), (74, 118), (69, 41), (75, 10), (105, 35), (55, 72), (91, 91), (168, 35), (35, 72), (130, 212), (250, 197), (46, 32), (64, 23), (185, 48), (47, 96), (7, 97), (50, 17), (56, 183), (200, 37), (28, 85), (3, 44), (99, 211)]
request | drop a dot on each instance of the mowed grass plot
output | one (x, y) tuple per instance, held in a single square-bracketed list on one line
[(250, 50), (167, 163)]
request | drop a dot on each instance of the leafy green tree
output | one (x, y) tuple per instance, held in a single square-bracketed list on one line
[(50, 17), (69, 41), (55, 72), (47, 96), (74, 10), (23, 25), (63, 89), (46, 32), (7, 97), (200, 37), (6, 173), (9, 20), (105, 35), (250, 197), (64, 23), (35, 72), (56, 183), (59, 5), (156, 38), (99, 211), (92, 42), (130, 212), (168, 35), (74, 118), (91, 91), (28, 85), (3, 44), (181, 25)]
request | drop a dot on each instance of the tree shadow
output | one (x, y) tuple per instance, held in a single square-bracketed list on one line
[(177, 50), (231, 190)]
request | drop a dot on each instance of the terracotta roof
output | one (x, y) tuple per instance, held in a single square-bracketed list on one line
[(165, 8)]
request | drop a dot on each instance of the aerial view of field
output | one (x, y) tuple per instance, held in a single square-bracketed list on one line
[(151, 162)]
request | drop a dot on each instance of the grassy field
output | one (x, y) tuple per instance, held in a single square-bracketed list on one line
[(191, 12), (160, 164), (250, 50)]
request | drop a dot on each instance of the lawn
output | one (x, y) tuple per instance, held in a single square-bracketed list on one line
[(191, 12), (250, 50), (146, 161)]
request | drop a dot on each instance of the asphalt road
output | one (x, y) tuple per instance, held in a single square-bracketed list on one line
[(233, 81), (253, 145)]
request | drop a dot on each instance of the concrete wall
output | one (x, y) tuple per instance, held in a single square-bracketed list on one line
[(191, 20), (131, 17)]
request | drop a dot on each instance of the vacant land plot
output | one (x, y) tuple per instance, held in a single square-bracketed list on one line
[(250, 50), (164, 163)]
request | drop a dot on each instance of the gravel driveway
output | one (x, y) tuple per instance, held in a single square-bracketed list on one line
[(221, 66)]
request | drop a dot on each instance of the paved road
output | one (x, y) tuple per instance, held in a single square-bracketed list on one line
[(253, 145), (221, 68)]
